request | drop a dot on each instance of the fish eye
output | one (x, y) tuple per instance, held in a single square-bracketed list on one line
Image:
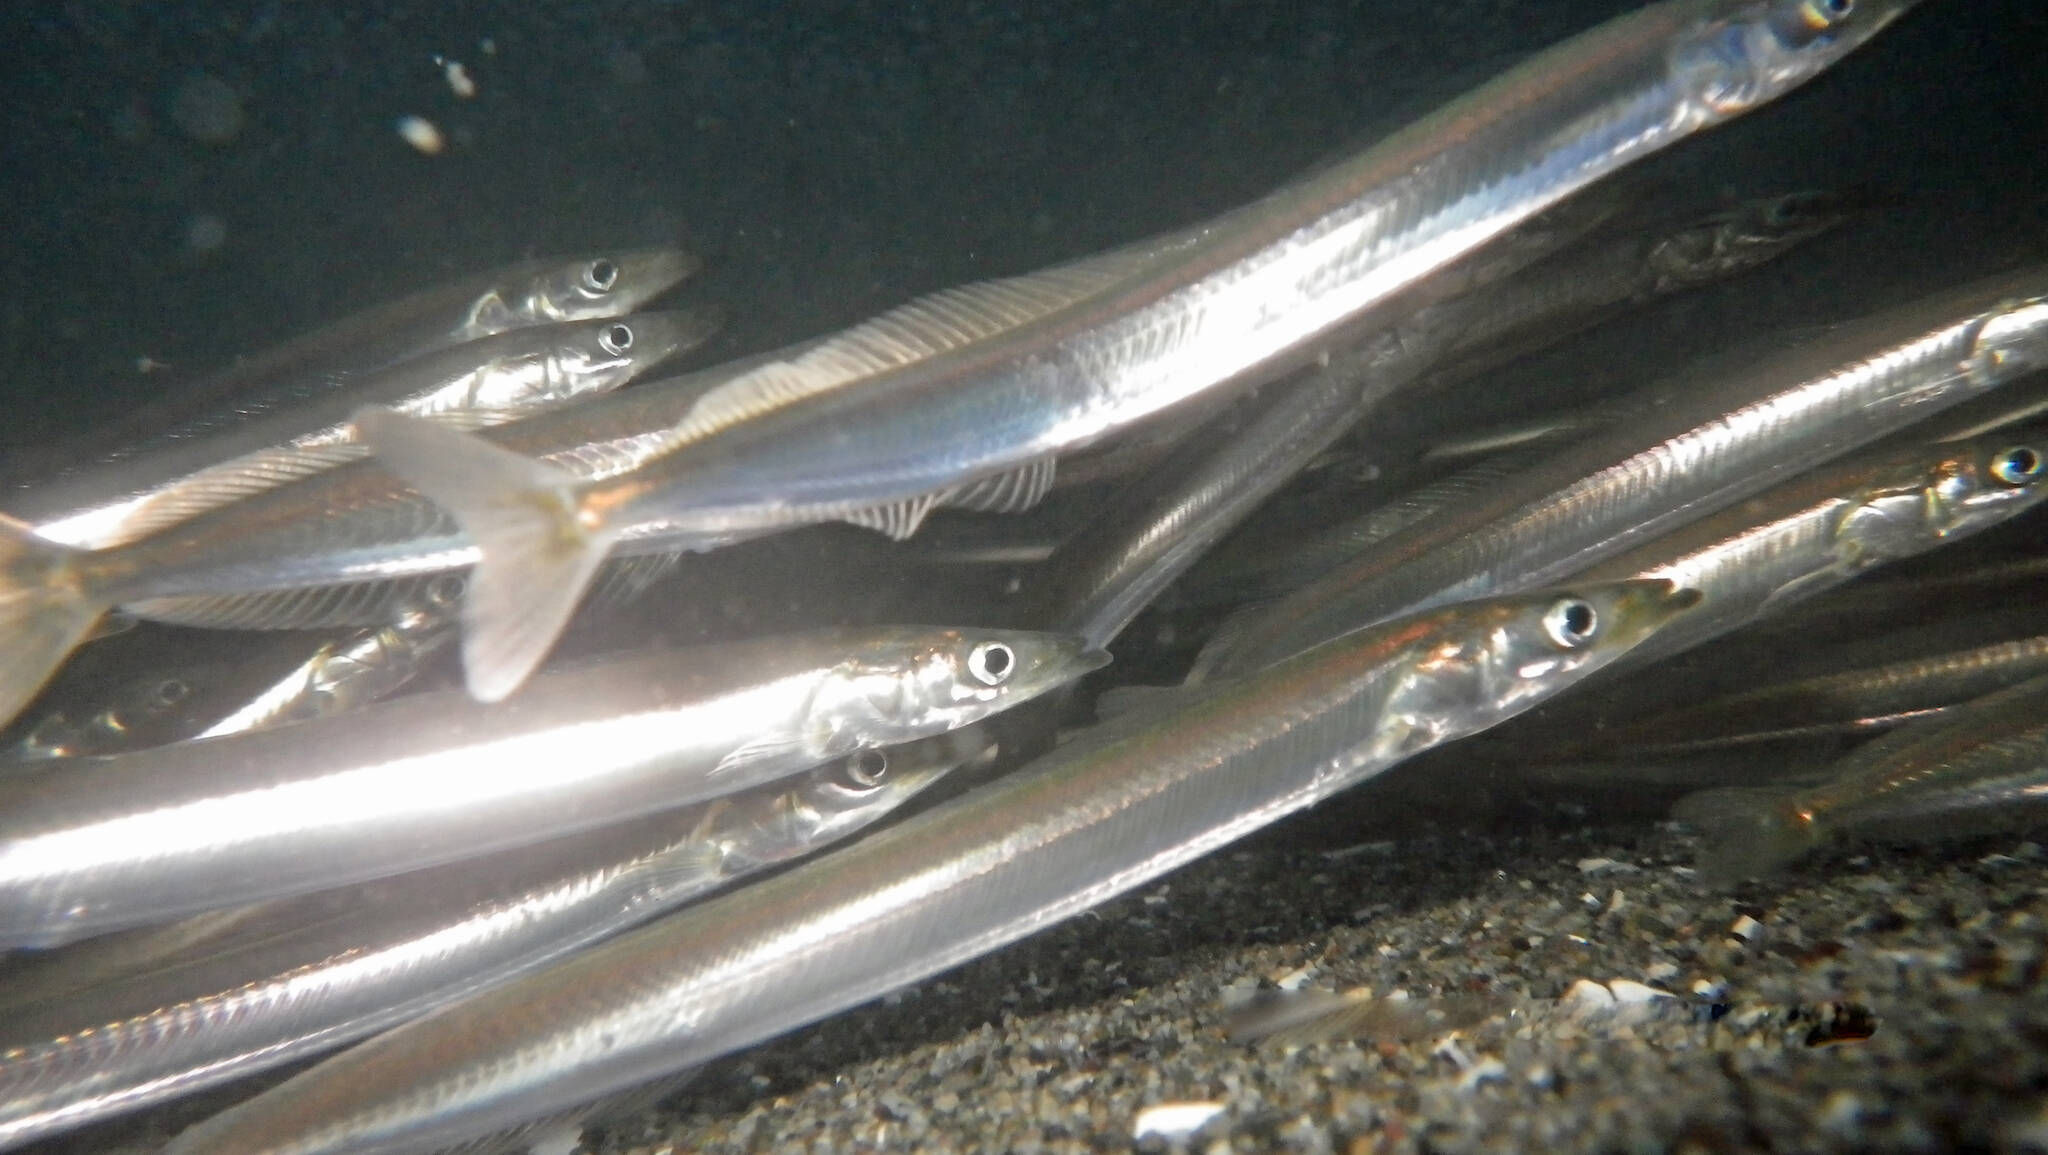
[(2019, 465), (616, 338), (991, 663), (170, 692), (864, 769), (1571, 623), (600, 275), (1821, 14), (446, 590)]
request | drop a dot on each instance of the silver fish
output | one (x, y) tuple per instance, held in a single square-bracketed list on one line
[(1985, 766), (353, 545), (533, 292), (1831, 524), (1255, 294), (1710, 442), (303, 975), (1848, 702), (349, 673), (478, 383), (100, 844), (139, 712), (1105, 813), (1112, 570)]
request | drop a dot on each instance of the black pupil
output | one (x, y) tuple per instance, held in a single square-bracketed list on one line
[(867, 766), (602, 274), (1578, 619), (172, 692), (2022, 462), (620, 337), (996, 660)]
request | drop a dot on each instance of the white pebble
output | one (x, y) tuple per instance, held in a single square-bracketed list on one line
[(1630, 991), (1296, 979), (1174, 1120), (1486, 1070), (1607, 866), (421, 133), (1746, 928), (1661, 972), (1588, 997)]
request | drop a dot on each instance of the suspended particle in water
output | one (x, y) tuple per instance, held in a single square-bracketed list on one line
[(207, 109), (205, 233), (421, 133), (459, 80)]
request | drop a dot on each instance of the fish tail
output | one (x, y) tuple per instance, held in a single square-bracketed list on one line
[(537, 552), (1747, 831), (45, 612)]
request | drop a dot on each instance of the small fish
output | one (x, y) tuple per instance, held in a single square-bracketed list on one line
[(1858, 701), (1118, 806), (1255, 294), (1694, 445), (1983, 767), (171, 1010), (1833, 523), (534, 292), (473, 385), (104, 843)]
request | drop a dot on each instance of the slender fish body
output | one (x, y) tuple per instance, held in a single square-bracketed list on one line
[(345, 674), (1118, 566), (1985, 766), (1704, 447), (1255, 294), (1831, 524), (1848, 702), (1105, 813), (478, 383), (353, 545), (100, 844), (299, 976), (533, 292)]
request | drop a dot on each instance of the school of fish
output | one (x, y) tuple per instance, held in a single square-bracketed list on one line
[(487, 908)]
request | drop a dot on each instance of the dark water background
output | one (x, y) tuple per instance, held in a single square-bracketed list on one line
[(829, 159)]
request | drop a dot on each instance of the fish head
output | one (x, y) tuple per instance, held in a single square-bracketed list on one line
[(1486, 661), (602, 286), (1985, 480), (1743, 237), (925, 682), (599, 356), (1746, 53), (2012, 340), (840, 798)]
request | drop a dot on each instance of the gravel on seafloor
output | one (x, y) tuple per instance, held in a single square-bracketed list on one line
[(1873, 1000)]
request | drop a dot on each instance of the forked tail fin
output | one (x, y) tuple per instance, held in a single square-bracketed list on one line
[(537, 555), (44, 612)]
